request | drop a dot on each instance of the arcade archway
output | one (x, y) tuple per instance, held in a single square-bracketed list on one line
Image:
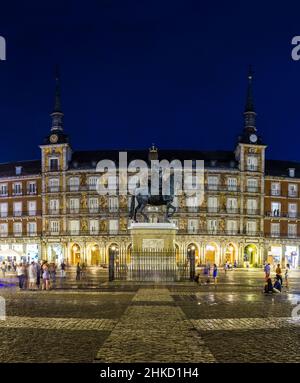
[(95, 255), (194, 247), (250, 255), (230, 253), (211, 254), (75, 254)]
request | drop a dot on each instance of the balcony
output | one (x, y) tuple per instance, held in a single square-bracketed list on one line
[(252, 168), (275, 193), (19, 213), (252, 189), (73, 188), (32, 233), (16, 193), (280, 214), (252, 233), (224, 188), (54, 212), (212, 209), (252, 212), (293, 194), (232, 210), (275, 234), (212, 187), (54, 189), (73, 210), (232, 188)]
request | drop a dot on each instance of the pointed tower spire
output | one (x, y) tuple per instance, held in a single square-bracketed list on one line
[(249, 114), (57, 114)]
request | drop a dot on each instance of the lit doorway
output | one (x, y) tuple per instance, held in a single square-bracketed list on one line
[(75, 254)]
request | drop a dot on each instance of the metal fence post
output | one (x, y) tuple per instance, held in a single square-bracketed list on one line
[(192, 264), (111, 269)]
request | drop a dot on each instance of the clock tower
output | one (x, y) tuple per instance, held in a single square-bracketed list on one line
[(250, 154), (56, 151), (56, 155), (249, 135), (250, 151), (57, 135)]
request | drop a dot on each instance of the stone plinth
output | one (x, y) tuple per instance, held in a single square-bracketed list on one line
[(153, 236), (153, 256)]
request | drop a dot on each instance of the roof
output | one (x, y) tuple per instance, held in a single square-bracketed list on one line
[(32, 167), (212, 159), (280, 168), (217, 159)]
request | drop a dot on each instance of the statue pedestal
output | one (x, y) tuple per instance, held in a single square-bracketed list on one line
[(153, 236), (153, 256)]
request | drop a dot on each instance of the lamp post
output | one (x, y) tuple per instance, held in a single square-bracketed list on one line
[(192, 262), (111, 270)]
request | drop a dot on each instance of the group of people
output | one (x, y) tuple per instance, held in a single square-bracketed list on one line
[(7, 267), (37, 275), (80, 271), (207, 273), (275, 287), (228, 265)]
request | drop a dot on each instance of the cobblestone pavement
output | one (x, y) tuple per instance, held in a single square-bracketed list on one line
[(154, 334), (180, 322)]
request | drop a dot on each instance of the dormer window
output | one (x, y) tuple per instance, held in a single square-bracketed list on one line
[(18, 170), (291, 172)]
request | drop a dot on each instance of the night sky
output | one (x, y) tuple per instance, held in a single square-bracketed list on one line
[(136, 72)]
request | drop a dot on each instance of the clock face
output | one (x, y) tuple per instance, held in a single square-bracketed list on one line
[(253, 138), (53, 138)]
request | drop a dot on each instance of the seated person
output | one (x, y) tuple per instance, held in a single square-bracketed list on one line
[(277, 286), (268, 286)]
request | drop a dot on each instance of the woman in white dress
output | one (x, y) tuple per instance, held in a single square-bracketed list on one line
[(32, 276)]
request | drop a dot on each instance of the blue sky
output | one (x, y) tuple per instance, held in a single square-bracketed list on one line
[(137, 72)]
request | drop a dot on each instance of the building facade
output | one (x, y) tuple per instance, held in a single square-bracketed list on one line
[(50, 208)]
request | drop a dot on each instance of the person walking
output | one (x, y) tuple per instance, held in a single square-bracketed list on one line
[(206, 274), (267, 270), (21, 275), (78, 272), (279, 273), (32, 275), (235, 264), (286, 276), (215, 273), (226, 267), (52, 271), (46, 277), (3, 269), (63, 269)]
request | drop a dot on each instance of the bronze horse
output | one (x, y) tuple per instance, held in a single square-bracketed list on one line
[(145, 198)]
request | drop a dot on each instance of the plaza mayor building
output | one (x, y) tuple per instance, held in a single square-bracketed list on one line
[(50, 208)]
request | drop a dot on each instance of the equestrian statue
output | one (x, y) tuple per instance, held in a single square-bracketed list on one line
[(143, 198)]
